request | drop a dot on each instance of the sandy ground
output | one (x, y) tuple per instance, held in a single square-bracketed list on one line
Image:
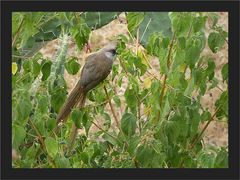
[(217, 132)]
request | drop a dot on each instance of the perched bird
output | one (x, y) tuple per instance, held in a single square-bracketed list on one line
[(97, 67)]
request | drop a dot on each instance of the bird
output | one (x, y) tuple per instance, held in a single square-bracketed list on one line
[(96, 68)]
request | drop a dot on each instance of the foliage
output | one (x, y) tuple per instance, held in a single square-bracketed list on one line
[(159, 127)]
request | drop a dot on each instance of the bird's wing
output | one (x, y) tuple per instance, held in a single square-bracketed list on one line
[(94, 71)]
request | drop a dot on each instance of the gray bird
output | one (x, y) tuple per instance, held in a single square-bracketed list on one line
[(97, 67)]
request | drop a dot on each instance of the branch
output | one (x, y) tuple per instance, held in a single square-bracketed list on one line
[(111, 106), (196, 139), (104, 131), (165, 76), (17, 33)]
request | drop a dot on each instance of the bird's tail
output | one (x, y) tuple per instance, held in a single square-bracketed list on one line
[(76, 97)]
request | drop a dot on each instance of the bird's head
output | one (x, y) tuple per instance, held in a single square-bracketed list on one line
[(110, 50)]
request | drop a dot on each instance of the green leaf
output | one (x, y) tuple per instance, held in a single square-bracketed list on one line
[(199, 23), (194, 120), (117, 100), (206, 159), (206, 115), (51, 124), (80, 33), (36, 68), (166, 108), (163, 60), (131, 98), (215, 41), (154, 23), (225, 72), (86, 121), (128, 124), (76, 116), (138, 64), (222, 104), (210, 69), (51, 146), (107, 121), (134, 19), (18, 135), (58, 98), (46, 69), (214, 83), (42, 103), (172, 130), (182, 42), (192, 55), (214, 18), (144, 155), (98, 19), (178, 59), (30, 155), (109, 139), (16, 21), (39, 121), (181, 22), (84, 157), (29, 28), (150, 155), (221, 160), (190, 87), (23, 107), (62, 162), (72, 66), (153, 43)]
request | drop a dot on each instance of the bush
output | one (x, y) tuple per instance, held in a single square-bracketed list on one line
[(160, 124)]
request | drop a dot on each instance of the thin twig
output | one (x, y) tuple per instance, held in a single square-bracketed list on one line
[(146, 29), (17, 33), (111, 106), (165, 76), (137, 42), (196, 139), (144, 56), (104, 131), (139, 116), (219, 88)]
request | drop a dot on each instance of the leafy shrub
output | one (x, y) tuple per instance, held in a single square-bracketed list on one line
[(160, 124)]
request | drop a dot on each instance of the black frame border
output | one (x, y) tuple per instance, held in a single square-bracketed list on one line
[(232, 7)]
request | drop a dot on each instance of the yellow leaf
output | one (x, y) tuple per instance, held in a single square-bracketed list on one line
[(182, 68), (147, 82), (142, 55), (14, 68)]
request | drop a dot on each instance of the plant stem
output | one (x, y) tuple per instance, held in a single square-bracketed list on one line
[(196, 139), (146, 28), (104, 131), (165, 77), (17, 33), (111, 106), (139, 116)]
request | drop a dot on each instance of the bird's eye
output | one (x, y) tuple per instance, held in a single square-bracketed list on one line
[(113, 51)]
